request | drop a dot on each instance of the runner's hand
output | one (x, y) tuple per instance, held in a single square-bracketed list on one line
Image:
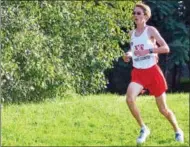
[(127, 57)]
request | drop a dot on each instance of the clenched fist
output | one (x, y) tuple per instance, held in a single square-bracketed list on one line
[(127, 56)]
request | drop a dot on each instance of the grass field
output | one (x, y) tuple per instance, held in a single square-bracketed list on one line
[(97, 120)]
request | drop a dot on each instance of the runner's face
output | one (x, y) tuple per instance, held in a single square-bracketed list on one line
[(138, 15)]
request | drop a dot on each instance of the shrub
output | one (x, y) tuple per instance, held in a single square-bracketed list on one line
[(50, 47)]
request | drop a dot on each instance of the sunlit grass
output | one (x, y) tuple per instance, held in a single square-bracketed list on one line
[(97, 120)]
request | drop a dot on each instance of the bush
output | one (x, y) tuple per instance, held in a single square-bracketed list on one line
[(50, 47)]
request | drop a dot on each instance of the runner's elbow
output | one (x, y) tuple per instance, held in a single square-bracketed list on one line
[(167, 49)]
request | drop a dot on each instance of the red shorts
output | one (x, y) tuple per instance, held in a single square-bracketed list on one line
[(151, 79)]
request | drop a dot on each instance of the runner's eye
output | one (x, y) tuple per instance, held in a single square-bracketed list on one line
[(136, 13)]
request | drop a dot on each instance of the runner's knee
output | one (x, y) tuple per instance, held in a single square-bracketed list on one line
[(130, 100), (165, 111)]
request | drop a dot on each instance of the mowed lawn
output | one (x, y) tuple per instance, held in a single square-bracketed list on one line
[(96, 120)]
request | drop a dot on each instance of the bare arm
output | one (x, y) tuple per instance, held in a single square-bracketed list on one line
[(163, 47), (128, 54), (153, 32), (130, 34)]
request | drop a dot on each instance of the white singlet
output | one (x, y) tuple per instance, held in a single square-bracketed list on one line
[(142, 42)]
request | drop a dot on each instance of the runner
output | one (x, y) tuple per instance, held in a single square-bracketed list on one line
[(146, 73)]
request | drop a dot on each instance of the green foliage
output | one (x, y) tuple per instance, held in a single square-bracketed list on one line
[(50, 47), (185, 8)]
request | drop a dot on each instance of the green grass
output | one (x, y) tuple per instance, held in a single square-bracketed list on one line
[(97, 120)]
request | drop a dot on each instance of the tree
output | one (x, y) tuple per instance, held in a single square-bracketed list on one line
[(49, 47)]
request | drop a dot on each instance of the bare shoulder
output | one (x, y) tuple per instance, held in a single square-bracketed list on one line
[(154, 33), (152, 30)]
